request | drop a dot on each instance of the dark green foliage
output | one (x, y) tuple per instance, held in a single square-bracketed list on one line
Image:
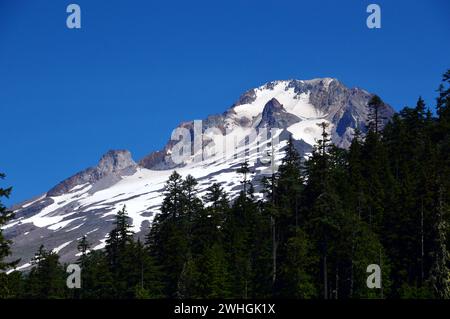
[(47, 279), (296, 271), (96, 277), (12, 285), (213, 276), (124, 269), (170, 236), (9, 285), (376, 119), (5, 217)]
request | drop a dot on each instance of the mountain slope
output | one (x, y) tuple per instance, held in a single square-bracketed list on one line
[(86, 202)]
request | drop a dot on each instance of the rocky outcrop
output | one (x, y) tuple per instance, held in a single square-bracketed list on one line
[(112, 162), (246, 98), (275, 116)]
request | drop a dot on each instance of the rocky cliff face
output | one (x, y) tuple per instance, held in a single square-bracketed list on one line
[(274, 115), (111, 163), (85, 203)]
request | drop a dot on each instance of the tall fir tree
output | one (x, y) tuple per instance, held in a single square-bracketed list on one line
[(5, 217), (6, 282), (119, 245), (375, 117), (46, 279), (168, 239)]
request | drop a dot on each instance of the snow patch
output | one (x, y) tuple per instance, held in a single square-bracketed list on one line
[(58, 249)]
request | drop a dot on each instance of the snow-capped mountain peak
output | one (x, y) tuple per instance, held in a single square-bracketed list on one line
[(84, 203)]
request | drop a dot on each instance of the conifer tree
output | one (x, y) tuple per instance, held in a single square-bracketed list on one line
[(440, 251), (213, 276), (245, 171), (191, 203), (5, 217), (375, 118), (239, 232), (119, 246), (83, 246), (298, 265), (287, 187), (325, 206), (168, 240), (12, 285), (172, 206), (7, 288), (440, 271), (46, 279), (143, 275), (96, 278)]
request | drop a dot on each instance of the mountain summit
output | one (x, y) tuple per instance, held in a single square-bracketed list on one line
[(85, 203)]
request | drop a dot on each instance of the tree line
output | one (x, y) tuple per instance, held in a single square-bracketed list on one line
[(322, 221)]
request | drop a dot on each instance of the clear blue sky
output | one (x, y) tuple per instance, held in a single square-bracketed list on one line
[(138, 68)]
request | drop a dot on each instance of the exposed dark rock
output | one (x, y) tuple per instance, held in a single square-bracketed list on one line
[(275, 116), (246, 98)]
